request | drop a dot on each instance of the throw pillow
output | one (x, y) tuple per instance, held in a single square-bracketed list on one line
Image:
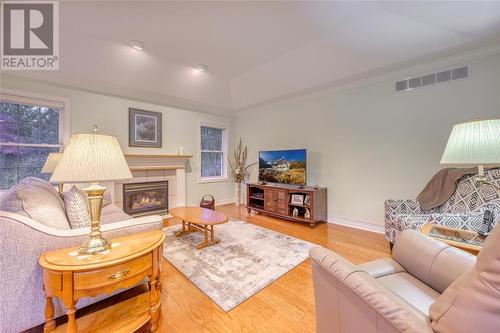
[(41, 206), (472, 302), (45, 185), (464, 221), (75, 201)]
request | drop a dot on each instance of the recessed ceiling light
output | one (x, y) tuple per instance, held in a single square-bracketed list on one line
[(137, 44), (201, 67)]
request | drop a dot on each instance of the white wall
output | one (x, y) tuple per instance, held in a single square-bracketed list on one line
[(366, 143), (110, 114), (369, 143)]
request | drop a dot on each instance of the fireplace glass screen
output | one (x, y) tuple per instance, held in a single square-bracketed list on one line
[(141, 198)]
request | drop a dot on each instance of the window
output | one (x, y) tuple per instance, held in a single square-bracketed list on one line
[(30, 129), (213, 152)]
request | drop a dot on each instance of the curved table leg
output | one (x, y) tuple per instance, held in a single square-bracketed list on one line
[(50, 323), (71, 312), (154, 305)]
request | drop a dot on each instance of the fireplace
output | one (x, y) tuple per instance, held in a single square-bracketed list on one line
[(145, 198)]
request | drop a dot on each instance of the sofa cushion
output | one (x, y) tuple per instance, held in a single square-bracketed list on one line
[(10, 202), (412, 290), (412, 221), (472, 302), (37, 202), (75, 202), (464, 221), (45, 185), (112, 213)]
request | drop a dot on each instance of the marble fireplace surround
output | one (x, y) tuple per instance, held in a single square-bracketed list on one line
[(152, 168)]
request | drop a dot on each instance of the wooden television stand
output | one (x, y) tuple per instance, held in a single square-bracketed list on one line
[(276, 200)]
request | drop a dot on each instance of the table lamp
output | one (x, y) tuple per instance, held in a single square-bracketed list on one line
[(50, 165), (92, 158), (476, 142)]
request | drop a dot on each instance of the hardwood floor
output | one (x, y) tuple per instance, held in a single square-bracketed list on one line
[(287, 305)]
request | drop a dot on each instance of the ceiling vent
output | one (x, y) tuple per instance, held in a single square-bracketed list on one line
[(425, 80)]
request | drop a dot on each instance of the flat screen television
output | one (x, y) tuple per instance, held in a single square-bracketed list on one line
[(283, 166)]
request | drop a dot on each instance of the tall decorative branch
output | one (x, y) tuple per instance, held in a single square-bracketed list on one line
[(239, 171)]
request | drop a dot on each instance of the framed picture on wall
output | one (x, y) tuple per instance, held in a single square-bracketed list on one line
[(144, 128)]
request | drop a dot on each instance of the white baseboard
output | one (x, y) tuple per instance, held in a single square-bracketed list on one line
[(348, 222), (218, 202), (221, 202), (358, 224)]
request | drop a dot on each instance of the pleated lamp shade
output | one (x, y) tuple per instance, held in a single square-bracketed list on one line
[(51, 162), (474, 142), (91, 158)]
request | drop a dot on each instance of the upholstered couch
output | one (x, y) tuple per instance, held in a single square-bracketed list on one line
[(460, 211), (386, 295), (23, 239)]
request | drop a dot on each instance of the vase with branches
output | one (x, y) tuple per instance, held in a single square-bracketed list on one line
[(239, 169)]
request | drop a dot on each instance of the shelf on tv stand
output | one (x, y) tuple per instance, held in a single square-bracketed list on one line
[(277, 201), (298, 205)]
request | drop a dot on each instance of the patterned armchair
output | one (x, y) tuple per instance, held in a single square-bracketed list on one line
[(463, 210)]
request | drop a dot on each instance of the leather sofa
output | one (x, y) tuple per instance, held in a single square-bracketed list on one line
[(386, 295)]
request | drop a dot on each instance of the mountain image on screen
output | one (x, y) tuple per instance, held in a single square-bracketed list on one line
[(283, 166)]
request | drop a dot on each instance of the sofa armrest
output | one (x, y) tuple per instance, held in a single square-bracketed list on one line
[(401, 206), (431, 261), (394, 212), (154, 221), (381, 267), (350, 300)]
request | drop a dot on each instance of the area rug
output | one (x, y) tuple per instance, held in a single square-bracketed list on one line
[(247, 259)]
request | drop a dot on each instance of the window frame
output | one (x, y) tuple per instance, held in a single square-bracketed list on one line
[(29, 98), (225, 146)]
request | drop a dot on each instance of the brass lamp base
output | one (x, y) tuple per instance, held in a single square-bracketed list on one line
[(481, 179), (92, 246), (96, 244)]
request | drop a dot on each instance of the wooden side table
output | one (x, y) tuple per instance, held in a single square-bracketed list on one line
[(465, 240), (131, 259)]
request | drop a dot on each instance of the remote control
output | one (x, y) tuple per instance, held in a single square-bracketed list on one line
[(485, 227)]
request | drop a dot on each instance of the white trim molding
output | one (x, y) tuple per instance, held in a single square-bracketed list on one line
[(37, 99), (357, 224), (222, 202), (225, 146), (218, 202), (61, 103)]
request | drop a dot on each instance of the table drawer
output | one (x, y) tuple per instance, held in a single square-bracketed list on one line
[(112, 275)]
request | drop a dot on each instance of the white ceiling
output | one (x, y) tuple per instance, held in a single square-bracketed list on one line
[(257, 51)]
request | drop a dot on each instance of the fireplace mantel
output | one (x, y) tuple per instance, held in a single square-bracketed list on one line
[(133, 155), (156, 167), (142, 162)]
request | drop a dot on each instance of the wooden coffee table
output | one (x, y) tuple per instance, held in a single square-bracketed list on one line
[(199, 219)]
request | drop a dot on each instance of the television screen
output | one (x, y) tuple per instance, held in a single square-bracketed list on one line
[(283, 166)]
